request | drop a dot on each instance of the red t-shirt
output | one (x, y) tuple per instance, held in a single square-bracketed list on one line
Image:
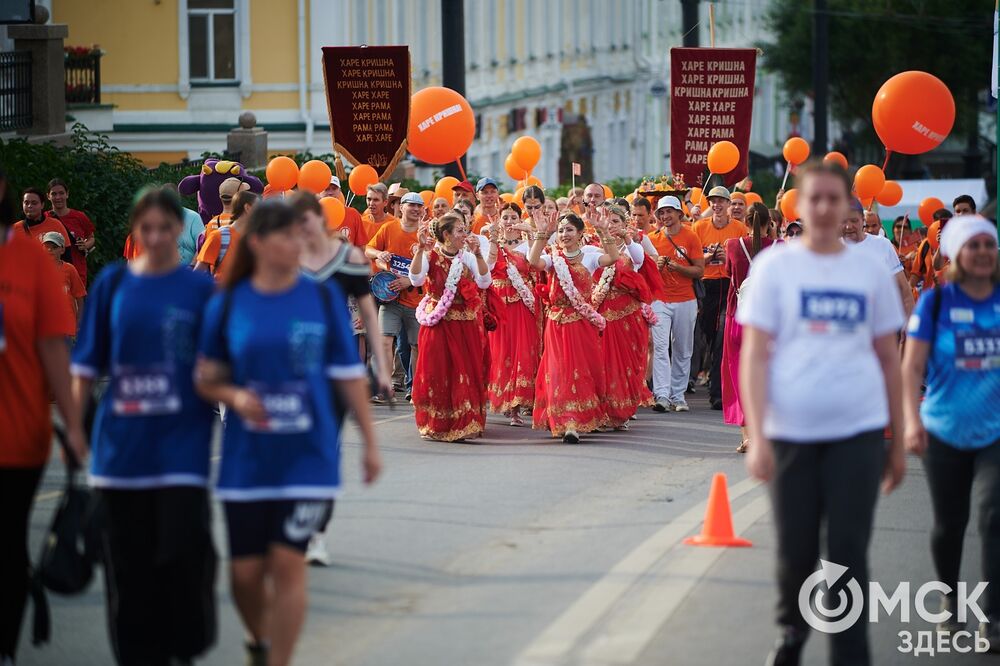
[(72, 284), (79, 226), (31, 290)]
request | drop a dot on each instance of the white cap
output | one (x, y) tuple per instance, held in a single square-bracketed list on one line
[(960, 229), (669, 202), (335, 181)]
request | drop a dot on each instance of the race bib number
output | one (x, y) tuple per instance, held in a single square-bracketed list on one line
[(400, 265), (832, 311), (977, 350), (289, 411), (147, 390)]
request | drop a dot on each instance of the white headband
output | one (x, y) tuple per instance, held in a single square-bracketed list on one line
[(960, 229)]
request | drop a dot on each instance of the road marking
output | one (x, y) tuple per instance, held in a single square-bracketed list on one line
[(563, 634), (629, 630)]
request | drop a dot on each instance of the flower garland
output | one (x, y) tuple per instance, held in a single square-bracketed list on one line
[(432, 318), (649, 315), (572, 293), (603, 285), (517, 281)]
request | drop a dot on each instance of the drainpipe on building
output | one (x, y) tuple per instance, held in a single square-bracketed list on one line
[(303, 79)]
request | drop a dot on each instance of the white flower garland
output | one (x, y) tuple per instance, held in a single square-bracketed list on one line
[(604, 285), (517, 281), (432, 318), (573, 294)]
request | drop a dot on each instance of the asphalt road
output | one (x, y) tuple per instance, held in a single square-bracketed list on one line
[(521, 550)]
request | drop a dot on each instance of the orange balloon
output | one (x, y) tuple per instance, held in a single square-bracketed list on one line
[(506, 197), (361, 177), (866, 202), (913, 112), (789, 203), (630, 197), (515, 170), (608, 194), (836, 158), (519, 197), (891, 194), (427, 196), (526, 152), (752, 198), (723, 157), (796, 150), (442, 125), (532, 180), (868, 181), (333, 210), (282, 173), (314, 176), (443, 189), (927, 208)]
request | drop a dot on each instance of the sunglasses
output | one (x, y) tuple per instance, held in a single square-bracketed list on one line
[(792, 233)]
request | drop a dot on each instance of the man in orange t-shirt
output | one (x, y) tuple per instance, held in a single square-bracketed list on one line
[(392, 249), (713, 233), (681, 263), (488, 193), (376, 216), (351, 228), (35, 223)]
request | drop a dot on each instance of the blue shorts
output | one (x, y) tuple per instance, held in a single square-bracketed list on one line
[(254, 527)]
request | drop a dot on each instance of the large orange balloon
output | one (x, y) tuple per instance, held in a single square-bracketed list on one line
[(723, 157), (515, 170), (361, 177), (442, 125), (866, 202), (314, 176), (699, 199), (927, 208), (868, 181), (789, 207), (506, 197), (282, 173), (913, 112), (836, 158), (443, 189), (526, 151), (333, 209), (891, 194), (796, 150), (519, 197), (752, 198), (427, 196)]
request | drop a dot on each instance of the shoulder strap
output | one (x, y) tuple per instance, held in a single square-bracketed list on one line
[(679, 250), (225, 238), (744, 246)]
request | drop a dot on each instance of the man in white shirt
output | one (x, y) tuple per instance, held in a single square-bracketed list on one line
[(879, 249)]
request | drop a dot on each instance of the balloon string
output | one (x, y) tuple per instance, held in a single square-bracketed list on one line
[(886, 163), (350, 198), (458, 162), (788, 169)]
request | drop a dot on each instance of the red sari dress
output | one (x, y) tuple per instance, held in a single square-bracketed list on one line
[(570, 381), (515, 344), (449, 380), (625, 342)]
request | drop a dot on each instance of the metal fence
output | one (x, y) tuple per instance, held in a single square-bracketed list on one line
[(83, 78), (15, 90)]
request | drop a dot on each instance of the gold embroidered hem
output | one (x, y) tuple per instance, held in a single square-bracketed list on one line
[(474, 429), (564, 316), (615, 315)]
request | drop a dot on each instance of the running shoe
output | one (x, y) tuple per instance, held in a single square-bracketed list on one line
[(316, 553), (680, 407), (257, 654), (661, 406)]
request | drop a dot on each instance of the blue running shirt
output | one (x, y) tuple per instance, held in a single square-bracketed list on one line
[(962, 404), (286, 347), (151, 429)]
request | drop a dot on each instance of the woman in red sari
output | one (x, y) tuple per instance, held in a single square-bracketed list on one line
[(623, 297), (449, 380), (515, 344), (570, 386)]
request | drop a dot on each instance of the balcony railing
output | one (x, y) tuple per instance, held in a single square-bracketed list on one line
[(83, 75), (15, 90)]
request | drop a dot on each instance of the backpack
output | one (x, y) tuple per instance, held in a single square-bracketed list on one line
[(746, 280), (226, 237)]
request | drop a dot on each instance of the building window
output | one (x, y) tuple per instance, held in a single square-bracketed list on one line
[(212, 40)]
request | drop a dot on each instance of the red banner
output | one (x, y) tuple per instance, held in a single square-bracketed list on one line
[(711, 100), (368, 97)]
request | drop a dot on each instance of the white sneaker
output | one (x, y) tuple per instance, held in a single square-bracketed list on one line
[(680, 407), (316, 553)]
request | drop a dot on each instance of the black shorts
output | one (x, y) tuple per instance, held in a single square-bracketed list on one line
[(255, 526)]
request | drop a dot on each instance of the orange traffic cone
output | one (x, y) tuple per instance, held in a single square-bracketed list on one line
[(718, 527)]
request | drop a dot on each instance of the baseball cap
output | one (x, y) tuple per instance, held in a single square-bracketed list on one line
[(719, 191), (230, 187), (669, 202), (412, 198), (335, 181), (464, 186), (397, 191), (53, 237), (484, 182)]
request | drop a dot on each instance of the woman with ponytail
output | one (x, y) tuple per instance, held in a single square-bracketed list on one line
[(449, 382), (740, 254)]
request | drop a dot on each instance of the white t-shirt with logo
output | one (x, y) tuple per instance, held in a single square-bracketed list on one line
[(823, 312), (879, 248)]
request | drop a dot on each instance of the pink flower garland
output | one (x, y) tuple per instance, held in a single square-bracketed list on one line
[(573, 294), (432, 318)]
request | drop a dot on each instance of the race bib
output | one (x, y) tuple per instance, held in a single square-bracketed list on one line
[(145, 390), (977, 350), (289, 411), (400, 265), (832, 311)]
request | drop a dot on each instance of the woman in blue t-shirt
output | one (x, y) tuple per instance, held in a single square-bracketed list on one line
[(151, 442), (954, 334), (274, 347)]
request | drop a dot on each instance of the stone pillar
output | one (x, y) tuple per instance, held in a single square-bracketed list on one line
[(48, 75), (249, 141)]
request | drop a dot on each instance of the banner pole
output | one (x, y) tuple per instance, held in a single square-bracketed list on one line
[(711, 23)]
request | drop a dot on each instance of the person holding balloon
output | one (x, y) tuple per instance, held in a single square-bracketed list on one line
[(343, 219), (570, 386)]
